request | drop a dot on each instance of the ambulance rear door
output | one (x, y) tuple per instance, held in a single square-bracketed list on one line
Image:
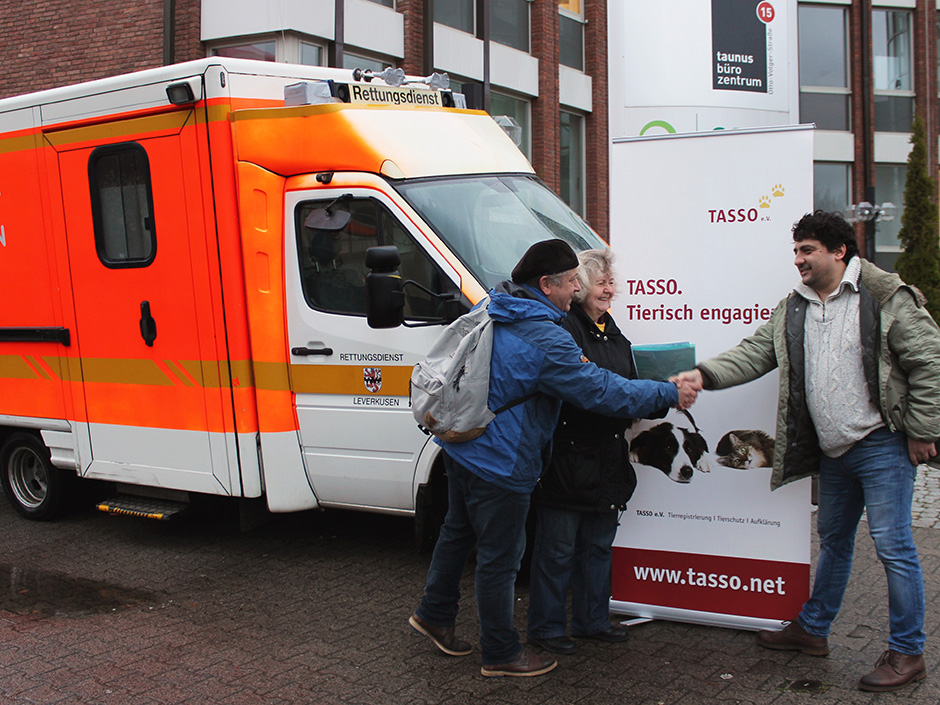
[(133, 232)]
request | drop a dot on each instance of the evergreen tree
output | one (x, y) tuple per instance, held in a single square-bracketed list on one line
[(919, 264)]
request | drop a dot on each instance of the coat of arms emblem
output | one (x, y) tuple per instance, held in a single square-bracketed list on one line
[(372, 376)]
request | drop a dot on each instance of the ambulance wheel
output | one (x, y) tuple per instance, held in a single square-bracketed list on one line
[(30, 481)]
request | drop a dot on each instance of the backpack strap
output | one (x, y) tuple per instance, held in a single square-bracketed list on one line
[(516, 402)]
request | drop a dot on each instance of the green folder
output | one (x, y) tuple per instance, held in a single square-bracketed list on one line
[(660, 362)]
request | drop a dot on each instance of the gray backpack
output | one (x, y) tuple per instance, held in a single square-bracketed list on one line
[(450, 387)]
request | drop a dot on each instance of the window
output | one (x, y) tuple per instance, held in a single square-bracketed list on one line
[(572, 161), (332, 262), (456, 13), (262, 51), (359, 61), (311, 54), (571, 34), (489, 222), (824, 92), (891, 48), (387, 3), (516, 108), (122, 206), (889, 188), (831, 186), (509, 23)]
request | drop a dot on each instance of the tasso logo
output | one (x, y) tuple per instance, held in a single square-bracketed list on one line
[(748, 215)]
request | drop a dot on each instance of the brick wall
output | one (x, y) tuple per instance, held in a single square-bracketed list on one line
[(597, 132), (49, 43), (546, 132), (413, 11), (188, 25)]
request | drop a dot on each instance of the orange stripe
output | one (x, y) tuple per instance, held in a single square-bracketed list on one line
[(347, 379)]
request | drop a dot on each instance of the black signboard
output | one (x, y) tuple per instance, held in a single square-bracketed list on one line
[(739, 45)]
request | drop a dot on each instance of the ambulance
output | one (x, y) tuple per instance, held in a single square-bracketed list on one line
[(216, 277)]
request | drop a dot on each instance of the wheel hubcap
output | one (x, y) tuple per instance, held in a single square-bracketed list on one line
[(28, 480)]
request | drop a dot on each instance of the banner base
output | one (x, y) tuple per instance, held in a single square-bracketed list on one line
[(709, 619)]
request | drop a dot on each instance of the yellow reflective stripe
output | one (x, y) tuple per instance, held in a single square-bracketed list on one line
[(208, 374), (17, 144), (16, 367), (347, 379), (116, 128), (120, 371), (271, 376)]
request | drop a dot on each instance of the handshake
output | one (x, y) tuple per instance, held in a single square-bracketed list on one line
[(689, 384)]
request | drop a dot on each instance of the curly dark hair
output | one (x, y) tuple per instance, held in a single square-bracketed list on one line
[(831, 229)]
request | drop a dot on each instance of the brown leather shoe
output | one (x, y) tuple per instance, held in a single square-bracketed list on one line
[(527, 663), (894, 670), (444, 638), (794, 638)]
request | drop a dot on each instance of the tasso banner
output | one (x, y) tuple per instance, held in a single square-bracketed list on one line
[(701, 225)]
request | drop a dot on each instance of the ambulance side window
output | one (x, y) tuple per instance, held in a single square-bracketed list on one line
[(122, 205), (332, 262)]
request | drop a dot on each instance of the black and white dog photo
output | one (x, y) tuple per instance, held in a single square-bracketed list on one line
[(673, 445)]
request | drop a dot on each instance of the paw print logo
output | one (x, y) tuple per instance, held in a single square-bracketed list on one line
[(765, 201), (777, 190)]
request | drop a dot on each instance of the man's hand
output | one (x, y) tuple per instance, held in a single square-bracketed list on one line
[(687, 393), (691, 377), (920, 451)]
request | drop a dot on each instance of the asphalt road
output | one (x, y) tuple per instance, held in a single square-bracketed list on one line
[(313, 608)]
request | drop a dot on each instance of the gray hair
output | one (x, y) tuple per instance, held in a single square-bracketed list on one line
[(594, 264)]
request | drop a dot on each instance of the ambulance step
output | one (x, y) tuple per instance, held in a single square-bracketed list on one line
[(145, 507)]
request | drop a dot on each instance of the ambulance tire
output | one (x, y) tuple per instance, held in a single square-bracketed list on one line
[(34, 486)]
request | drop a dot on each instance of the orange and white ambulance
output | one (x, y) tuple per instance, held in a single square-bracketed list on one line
[(183, 278)]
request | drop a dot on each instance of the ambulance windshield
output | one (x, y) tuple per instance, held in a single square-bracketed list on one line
[(490, 221)]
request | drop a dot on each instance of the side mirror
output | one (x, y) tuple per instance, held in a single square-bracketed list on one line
[(385, 302)]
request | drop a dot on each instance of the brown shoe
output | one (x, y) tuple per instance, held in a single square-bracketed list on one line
[(444, 638), (527, 663), (894, 670), (794, 638)]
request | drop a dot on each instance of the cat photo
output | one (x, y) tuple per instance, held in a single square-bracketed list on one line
[(744, 450)]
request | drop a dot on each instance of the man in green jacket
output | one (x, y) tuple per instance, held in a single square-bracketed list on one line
[(859, 405)]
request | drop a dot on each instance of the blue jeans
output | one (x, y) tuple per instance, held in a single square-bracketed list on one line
[(493, 518), (877, 475), (572, 549)]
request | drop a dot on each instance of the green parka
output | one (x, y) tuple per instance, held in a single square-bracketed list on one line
[(900, 355)]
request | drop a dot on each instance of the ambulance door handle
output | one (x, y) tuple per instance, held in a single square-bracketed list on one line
[(148, 326), (311, 351)]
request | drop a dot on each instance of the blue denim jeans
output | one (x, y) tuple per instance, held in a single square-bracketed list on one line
[(493, 518), (875, 475), (572, 549)]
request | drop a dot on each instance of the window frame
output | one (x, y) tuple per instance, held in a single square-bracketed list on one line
[(97, 207), (581, 207), (383, 216), (565, 13), (906, 93), (845, 90)]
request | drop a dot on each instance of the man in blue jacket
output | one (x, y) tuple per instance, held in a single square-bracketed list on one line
[(491, 478)]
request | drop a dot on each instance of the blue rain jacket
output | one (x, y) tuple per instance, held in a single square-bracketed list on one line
[(532, 353)]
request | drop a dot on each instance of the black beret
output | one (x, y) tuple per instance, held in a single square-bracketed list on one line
[(544, 259)]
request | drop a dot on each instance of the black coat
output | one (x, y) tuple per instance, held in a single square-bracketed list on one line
[(590, 468)]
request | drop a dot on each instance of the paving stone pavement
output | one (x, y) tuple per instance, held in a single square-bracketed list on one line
[(313, 608), (926, 507)]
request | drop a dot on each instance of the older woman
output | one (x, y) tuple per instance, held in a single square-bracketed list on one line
[(586, 486)]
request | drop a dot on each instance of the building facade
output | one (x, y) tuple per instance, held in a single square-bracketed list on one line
[(542, 62), (865, 68)]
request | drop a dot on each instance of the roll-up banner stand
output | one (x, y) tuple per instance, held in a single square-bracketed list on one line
[(701, 225)]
